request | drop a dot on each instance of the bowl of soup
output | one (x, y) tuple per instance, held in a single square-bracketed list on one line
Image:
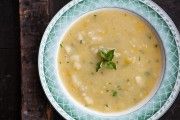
[(110, 60)]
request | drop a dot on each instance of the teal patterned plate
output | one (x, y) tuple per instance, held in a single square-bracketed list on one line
[(47, 61)]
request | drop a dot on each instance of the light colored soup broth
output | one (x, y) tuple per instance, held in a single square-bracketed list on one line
[(137, 56)]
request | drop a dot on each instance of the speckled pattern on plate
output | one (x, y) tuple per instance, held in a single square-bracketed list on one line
[(164, 26)]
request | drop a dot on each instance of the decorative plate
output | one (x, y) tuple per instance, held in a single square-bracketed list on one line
[(47, 61)]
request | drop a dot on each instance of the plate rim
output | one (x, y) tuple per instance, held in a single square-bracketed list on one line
[(149, 3)]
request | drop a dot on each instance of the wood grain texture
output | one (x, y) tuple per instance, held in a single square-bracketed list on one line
[(34, 16)]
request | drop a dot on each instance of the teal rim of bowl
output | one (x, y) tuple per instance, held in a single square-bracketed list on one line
[(168, 33)]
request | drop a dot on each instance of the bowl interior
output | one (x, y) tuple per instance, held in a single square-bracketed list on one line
[(141, 103)]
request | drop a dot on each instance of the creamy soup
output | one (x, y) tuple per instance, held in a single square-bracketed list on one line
[(110, 60)]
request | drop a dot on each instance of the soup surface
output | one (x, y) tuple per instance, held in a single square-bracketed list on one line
[(110, 60)]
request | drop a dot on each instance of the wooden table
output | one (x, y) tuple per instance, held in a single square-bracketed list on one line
[(22, 25)]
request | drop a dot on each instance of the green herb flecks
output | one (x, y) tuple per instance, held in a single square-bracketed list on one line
[(99, 65), (119, 87), (156, 45), (81, 41), (157, 60), (114, 93), (106, 105), (141, 51), (86, 105), (61, 45), (149, 36), (147, 73), (106, 60), (92, 73), (107, 90)]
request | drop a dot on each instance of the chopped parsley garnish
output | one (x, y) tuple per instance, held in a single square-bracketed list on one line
[(119, 87), (147, 73), (141, 51), (114, 93), (155, 45), (149, 36), (61, 45), (157, 60), (106, 105), (92, 73), (86, 105), (81, 41), (106, 59)]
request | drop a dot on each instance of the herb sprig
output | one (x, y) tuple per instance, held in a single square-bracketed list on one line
[(106, 59)]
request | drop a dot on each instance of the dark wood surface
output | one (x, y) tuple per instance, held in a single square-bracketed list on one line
[(34, 17), (22, 25), (9, 61)]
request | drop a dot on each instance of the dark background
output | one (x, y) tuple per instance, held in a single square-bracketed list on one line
[(22, 23)]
